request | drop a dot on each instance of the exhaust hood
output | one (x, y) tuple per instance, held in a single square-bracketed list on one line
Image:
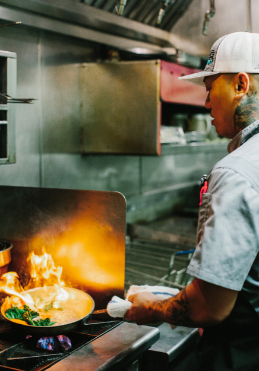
[(142, 27), (173, 29), (156, 13)]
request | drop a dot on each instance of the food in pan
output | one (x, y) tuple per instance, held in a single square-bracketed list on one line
[(52, 307), (27, 315), (49, 303), (48, 310)]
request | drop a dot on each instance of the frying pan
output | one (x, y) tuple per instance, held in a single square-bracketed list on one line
[(82, 303)]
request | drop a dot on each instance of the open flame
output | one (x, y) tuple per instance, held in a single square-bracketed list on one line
[(10, 284), (43, 273)]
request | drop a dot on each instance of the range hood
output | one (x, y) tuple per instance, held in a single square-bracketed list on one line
[(171, 29), (157, 13), (142, 28)]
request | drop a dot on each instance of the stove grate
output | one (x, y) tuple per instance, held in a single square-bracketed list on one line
[(20, 353)]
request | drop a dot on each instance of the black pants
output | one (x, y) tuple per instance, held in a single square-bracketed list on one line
[(234, 343)]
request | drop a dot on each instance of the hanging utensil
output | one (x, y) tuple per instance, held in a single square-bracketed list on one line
[(9, 99)]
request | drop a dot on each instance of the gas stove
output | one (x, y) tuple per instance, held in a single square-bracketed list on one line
[(84, 232), (111, 345), (22, 353)]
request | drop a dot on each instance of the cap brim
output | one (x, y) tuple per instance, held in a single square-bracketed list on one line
[(198, 77)]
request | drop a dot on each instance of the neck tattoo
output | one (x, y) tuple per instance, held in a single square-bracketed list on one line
[(247, 111)]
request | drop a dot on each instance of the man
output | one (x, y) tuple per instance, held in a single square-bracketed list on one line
[(223, 298)]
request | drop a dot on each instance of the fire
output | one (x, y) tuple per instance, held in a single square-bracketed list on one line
[(50, 304), (10, 284), (44, 272)]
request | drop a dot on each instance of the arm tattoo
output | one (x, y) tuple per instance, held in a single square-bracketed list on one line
[(176, 311), (247, 111)]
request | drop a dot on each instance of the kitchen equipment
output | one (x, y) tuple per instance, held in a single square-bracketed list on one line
[(179, 120), (112, 345), (201, 123), (82, 303), (5, 256), (194, 136), (172, 134), (85, 233), (136, 91)]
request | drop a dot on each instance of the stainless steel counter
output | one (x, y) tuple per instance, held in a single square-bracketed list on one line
[(175, 351), (114, 350)]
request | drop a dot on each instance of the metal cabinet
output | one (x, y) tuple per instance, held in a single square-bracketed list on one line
[(121, 104), (8, 83)]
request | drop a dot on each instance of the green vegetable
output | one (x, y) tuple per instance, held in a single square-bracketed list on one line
[(14, 313), (27, 315), (43, 322)]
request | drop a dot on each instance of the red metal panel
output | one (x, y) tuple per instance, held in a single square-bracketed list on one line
[(179, 91)]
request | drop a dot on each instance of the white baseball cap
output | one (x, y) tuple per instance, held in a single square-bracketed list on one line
[(232, 53)]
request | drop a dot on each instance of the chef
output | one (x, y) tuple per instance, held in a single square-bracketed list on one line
[(223, 298)]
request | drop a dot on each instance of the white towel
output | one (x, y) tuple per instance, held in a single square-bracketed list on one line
[(118, 307)]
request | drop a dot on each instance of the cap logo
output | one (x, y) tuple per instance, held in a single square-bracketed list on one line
[(212, 56), (211, 60)]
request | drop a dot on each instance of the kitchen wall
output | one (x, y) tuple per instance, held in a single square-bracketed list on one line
[(48, 133)]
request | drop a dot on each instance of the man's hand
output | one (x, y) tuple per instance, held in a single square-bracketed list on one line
[(199, 304), (142, 309)]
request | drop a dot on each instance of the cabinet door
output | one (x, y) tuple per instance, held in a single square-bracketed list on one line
[(180, 91), (120, 107)]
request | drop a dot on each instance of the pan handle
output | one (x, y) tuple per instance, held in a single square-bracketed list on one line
[(100, 311)]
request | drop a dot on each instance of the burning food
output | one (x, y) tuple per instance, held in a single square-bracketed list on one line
[(46, 305)]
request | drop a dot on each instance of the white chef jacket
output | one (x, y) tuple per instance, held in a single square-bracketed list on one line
[(227, 247)]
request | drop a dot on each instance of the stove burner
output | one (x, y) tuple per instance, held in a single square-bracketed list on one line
[(55, 343), (23, 353)]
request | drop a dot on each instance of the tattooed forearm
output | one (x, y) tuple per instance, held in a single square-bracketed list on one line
[(247, 111), (176, 311)]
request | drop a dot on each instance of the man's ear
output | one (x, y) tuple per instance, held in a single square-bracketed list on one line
[(241, 84)]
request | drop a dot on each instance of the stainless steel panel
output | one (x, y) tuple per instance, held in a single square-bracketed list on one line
[(61, 109), (115, 350), (60, 97), (167, 171), (162, 172), (158, 204), (111, 173), (120, 107)]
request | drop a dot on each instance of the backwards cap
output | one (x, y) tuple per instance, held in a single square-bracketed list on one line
[(232, 53)]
